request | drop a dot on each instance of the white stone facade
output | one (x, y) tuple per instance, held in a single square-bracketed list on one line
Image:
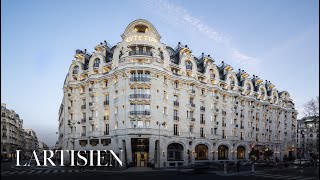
[(308, 137), (122, 95), (12, 134)]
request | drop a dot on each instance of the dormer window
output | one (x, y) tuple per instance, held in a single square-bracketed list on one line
[(75, 70), (141, 28), (96, 63), (188, 65)]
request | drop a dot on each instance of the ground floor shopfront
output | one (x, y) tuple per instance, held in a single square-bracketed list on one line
[(164, 151)]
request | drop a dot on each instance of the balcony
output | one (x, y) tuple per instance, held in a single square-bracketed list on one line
[(90, 118), (106, 133), (192, 105), (140, 79), (83, 120), (106, 103), (241, 127), (83, 106), (139, 112), (202, 122), (140, 96), (193, 91), (140, 53), (202, 108), (175, 103), (176, 118), (224, 125), (106, 117), (83, 134), (192, 119)]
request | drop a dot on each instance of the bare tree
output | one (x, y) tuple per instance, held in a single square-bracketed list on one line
[(311, 108)]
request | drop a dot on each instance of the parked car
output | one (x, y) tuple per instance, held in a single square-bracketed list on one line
[(302, 162)]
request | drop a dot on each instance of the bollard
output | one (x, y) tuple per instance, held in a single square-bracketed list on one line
[(252, 167), (224, 168)]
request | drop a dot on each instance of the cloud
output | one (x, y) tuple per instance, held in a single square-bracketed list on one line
[(176, 14), (251, 63)]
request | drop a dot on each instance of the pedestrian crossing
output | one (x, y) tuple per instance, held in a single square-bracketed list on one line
[(37, 172), (279, 176)]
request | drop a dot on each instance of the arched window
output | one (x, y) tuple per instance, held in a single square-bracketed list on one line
[(212, 75), (201, 152), (248, 87), (241, 150), (188, 65), (223, 152), (140, 28), (232, 83), (96, 63), (75, 70), (175, 152)]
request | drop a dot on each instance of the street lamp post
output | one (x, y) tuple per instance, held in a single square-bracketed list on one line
[(159, 124)]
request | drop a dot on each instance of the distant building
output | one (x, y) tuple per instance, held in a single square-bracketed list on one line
[(308, 136), (43, 146), (31, 141), (12, 134)]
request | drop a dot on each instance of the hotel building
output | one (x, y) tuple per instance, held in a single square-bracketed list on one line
[(165, 107)]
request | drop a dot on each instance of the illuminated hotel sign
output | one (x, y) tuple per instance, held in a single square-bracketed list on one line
[(141, 38)]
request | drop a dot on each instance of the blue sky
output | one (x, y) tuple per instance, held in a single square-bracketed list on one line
[(276, 40)]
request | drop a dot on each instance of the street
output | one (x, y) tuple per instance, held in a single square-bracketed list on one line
[(9, 171)]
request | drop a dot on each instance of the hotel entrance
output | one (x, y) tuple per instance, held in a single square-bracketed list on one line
[(140, 159), (140, 150)]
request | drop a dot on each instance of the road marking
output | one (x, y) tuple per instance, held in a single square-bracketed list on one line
[(13, 172), (47, 171), (55, 171), (40, 171), (271, 175), (5, 172), (309, 178), (31, 171), (297, 177), (21, 172)]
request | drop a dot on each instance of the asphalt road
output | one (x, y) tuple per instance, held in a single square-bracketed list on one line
[(9, 171)]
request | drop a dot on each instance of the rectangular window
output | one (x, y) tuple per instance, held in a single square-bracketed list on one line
[(223, 134), (175, 130), (165, 111), (175, 112), (201, 132), (116, 111), (107, 129), (191, 129), (215, 131)]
